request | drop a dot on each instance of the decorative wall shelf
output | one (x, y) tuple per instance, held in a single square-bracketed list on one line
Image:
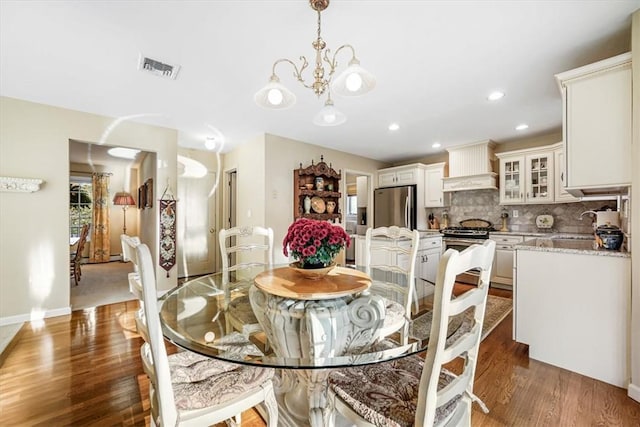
[(19, 185), (326, 192)]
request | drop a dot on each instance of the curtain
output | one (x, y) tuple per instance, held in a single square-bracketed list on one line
[(100, 246)]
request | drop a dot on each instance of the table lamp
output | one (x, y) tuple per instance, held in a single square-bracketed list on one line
[(124, 199)]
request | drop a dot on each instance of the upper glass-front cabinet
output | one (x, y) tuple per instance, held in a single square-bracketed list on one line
[(540, 188), (526, 178), (511, 182)]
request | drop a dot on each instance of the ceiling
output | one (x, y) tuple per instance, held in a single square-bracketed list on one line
[(98, 154), (435, 63)]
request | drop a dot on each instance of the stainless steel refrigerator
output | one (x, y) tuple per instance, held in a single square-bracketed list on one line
[(395, 206)]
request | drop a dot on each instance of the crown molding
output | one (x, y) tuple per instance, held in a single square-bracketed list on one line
[(19, 185)]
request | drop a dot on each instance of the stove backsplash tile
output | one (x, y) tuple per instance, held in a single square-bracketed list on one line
[(485, 204)]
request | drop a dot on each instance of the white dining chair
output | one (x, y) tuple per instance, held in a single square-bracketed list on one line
[(188, 389), (412, 391), (129, 244), (241, 249), (390, 259)]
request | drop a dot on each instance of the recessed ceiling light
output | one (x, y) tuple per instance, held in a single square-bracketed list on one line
[(123, 153), (394, 126), (523, 126), (494, 96), (436, 145)]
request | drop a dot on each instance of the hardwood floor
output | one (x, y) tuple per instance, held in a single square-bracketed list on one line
[(84, 369)]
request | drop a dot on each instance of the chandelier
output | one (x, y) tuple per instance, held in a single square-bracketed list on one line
[(353, 81)]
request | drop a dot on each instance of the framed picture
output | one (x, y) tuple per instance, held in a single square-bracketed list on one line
[(148, 198), (141, 197)]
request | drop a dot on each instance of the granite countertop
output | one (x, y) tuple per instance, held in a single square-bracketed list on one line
[(532, 233), (430, 233), (564, 244), (422, 233)]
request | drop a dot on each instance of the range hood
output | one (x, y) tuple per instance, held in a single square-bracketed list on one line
[(471, 167)]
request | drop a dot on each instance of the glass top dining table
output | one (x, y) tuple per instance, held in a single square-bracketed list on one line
[(341, 320)]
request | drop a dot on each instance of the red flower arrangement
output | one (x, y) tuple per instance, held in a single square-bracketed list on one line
[(314, 243)]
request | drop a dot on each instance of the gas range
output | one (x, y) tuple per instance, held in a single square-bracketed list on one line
[(467, 232)]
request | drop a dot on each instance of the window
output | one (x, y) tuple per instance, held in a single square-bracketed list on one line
[(80, 204), (352, 205)]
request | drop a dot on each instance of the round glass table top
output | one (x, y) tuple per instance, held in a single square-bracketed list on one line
[(232, 319)]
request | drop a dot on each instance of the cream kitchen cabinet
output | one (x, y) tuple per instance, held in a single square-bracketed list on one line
[(427, 261), (597, 126), (401, 175), (572, 309), (526, 176), (433, 194), (561, 194)]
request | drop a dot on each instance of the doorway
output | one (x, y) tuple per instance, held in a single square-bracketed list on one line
[(102, 283), (231, 178), (357, 200), (197, 223)]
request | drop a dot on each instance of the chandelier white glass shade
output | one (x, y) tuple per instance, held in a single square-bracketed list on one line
[(329, 115), (275, 95), (353, 81)]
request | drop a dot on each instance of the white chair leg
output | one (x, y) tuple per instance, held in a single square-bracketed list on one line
[(272, 408)]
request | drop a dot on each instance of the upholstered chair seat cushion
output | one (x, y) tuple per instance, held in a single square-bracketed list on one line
[(386, 394), (189, 367), (220, 388)]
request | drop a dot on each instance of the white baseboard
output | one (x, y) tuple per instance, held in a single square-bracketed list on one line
[(634, 392), (21, 318)]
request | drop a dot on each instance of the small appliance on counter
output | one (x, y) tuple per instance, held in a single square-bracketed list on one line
[(609, 237), (504, 215), (607, 217), (544, 221)]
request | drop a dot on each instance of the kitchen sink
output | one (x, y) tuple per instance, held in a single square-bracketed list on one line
[(567, 243)]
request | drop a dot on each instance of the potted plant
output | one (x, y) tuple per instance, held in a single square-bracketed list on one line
[(314, 244)]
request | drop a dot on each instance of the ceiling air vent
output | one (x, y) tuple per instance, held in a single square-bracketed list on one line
[(158, 68)]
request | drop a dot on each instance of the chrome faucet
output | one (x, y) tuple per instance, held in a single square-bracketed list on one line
[(587, 212), (593, 219)]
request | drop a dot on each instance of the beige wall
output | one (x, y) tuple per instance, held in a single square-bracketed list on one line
[(34, 248), (248, 160), (283, 155), (634, 388)]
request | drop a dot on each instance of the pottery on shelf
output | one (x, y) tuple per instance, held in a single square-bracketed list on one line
[(319, 181), (312, 273), (307, 204), (331, 206)]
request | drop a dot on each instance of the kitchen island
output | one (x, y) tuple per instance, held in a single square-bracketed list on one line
[(572, 306)]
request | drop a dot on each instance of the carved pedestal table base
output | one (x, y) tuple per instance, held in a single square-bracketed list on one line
[(315, 333)]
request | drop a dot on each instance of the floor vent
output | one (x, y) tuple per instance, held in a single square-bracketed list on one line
[(158, 68)]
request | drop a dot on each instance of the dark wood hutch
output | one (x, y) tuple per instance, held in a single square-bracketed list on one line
[(321, 184)]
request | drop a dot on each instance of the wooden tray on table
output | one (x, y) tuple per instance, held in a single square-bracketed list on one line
[(286, 282)]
